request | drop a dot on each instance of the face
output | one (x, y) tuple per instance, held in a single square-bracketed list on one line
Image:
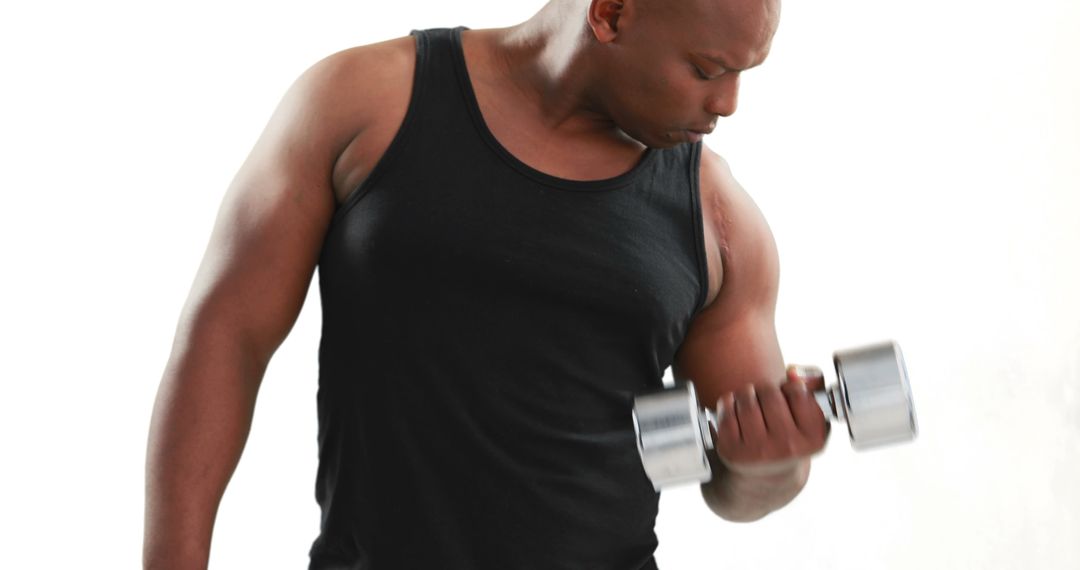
[(672, 67)]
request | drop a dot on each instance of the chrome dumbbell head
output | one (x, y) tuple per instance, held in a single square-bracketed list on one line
[(872, 396), (875, 397), (672, 436)]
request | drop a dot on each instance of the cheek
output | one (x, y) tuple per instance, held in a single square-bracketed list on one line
[(654, 85), (668, 98)]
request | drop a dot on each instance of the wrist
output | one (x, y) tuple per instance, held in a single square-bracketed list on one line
[(747, 495), (779, 472)]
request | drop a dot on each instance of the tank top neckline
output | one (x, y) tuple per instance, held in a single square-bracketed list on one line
[(615, 182)]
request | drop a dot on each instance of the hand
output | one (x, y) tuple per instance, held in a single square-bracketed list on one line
[(767, 429)]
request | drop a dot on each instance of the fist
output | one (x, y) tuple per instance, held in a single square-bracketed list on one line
[(767, 429)]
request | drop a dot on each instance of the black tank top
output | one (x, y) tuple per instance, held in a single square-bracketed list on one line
[(485, 328)]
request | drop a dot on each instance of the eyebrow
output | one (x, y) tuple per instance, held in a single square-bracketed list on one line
[(720, 61)]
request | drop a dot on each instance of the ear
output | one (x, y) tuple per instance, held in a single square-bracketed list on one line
[(603, 19)]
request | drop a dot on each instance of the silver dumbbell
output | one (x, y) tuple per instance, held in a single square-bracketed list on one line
[(872, 396)]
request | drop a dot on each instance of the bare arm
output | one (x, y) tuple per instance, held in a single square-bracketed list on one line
[(246, 296), (769, 427)]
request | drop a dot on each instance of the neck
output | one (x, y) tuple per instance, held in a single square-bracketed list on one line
[(543, 58)]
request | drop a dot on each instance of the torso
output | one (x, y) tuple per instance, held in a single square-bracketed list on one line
[(573, 159)]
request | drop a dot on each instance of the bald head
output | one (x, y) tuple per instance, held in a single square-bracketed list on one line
[(749, 22), (729, 6)]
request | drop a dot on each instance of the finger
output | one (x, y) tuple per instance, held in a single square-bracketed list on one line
[(727, 428), (748, 412), (805, 411), (812, 376), (776, 412)]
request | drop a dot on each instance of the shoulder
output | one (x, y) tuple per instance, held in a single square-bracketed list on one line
[(346, 108), (351, 87), (742, 236), (366, 64)]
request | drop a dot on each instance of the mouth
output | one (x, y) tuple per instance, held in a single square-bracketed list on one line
[(696, 135), (704, 131)]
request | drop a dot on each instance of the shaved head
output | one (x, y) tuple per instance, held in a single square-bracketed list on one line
[(755, 20)]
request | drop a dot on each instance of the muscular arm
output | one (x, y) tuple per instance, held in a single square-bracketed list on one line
[(245, 298), (733, 356)]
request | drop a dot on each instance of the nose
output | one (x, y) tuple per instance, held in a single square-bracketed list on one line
[(724, 98)]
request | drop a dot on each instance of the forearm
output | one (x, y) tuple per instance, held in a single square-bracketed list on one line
[(740, 497), (201, 420)]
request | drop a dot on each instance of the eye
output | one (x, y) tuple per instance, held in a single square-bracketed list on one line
[(705, 76)]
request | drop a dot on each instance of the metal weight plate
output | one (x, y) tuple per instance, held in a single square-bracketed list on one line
[(672, 436), (876, 395)]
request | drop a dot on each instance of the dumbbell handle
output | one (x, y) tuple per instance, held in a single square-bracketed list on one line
[(826, 400)]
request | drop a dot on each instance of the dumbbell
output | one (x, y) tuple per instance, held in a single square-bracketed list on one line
[(872, 396)]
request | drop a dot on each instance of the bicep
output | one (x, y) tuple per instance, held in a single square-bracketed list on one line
[(257, 266), (269, 229), (722, 358), (733, 341)]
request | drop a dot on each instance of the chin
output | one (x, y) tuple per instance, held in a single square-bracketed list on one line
[(662, 141), (654, 134)]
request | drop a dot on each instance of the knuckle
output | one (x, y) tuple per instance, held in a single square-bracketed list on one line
[(773, 395)]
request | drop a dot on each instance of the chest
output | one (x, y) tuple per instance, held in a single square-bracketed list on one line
[(506, 253)]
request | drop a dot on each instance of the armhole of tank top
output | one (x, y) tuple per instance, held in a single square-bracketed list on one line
[(393, 149), (699, 227)]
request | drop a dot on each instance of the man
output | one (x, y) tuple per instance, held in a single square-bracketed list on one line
[(517, 230)]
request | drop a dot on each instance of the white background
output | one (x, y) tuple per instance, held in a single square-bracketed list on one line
[(919, 163)]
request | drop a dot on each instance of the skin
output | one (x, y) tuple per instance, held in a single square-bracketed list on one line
[(578, 91)]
